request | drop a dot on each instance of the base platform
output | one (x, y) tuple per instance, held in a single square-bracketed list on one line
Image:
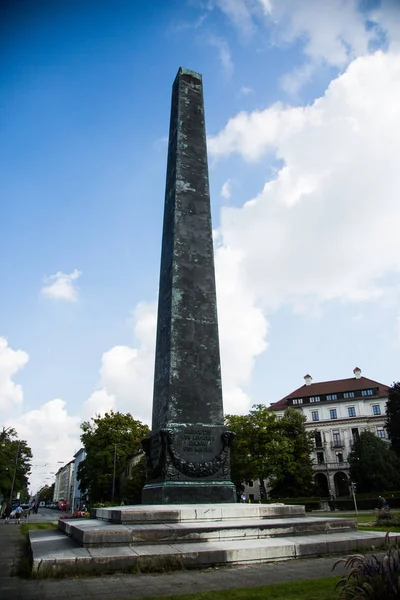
[(193, 536)]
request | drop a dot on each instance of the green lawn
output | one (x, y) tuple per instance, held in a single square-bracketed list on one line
[(312, 589), (25, 527), (365, 520)]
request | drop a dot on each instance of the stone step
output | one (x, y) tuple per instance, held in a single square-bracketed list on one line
[(54, 553), (91, 533), (195, 512)]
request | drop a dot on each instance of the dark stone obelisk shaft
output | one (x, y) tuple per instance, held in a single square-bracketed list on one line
[(187, 382), (188, 451)]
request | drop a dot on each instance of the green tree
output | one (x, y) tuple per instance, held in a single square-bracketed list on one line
[(261, 450), (46, 494), (15, 464), (297, 478), (102, 437), (393, 417), (374, 467)]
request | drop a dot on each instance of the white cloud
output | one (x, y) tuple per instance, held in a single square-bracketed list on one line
[(240, 12), (226, 189), (246, 91), (224, 54), (242, 329), (326, 227), (62, 286), (127, 372), (292, 82), (11, 361), (331, 32), (98, 403), (53, 436)]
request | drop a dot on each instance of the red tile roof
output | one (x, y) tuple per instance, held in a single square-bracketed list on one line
[(332, 387)]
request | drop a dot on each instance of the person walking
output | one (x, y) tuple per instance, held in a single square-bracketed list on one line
[(382, 502), (18, 512), (7, 513)]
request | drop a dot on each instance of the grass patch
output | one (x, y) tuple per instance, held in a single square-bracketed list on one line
[(24, 567), (25, 527), (311, 589)]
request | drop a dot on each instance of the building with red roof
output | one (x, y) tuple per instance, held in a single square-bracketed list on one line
[(337, 412)]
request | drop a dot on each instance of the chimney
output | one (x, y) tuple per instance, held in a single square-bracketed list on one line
[(308, 379), (357, 372)]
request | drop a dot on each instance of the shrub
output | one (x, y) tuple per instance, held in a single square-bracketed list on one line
[(370, 577), (383, 516)]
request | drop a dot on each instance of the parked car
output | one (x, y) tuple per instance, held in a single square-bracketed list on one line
[(62, 505)]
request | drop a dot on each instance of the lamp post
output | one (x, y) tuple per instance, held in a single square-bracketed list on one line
[(327, 470), (115, 462), (353, 488), (15, 472)]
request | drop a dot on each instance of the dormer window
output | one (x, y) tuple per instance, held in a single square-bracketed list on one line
[(331, 397), (298, 401), (367, 392)]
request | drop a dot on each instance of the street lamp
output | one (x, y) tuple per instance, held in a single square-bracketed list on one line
[(327, 470), (353, 488), (113, 482), (15, 472)]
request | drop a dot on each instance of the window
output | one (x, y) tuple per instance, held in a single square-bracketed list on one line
[(320, 458), (250, 483), (348, 395), (333, 413), (352, 411), (367, 393), (355, 435), (315, 399), (315, 415), (336, 438), (339, 457), (298, 401), (251, 497), (318, 439), (376, 409), (381, 433), (331, 397)]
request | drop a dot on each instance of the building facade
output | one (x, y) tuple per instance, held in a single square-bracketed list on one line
[(64, 483), (78, 498), (337, 412)]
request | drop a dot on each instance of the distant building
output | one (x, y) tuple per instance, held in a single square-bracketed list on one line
[(78, 497), (337, 412), (64, 483)]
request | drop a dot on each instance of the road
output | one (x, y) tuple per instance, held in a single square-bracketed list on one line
[(44, 515)]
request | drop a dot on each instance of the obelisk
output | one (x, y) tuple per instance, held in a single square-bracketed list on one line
[(188, 450)]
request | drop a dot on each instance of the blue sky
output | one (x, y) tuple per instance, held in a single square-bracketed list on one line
[(302, 103)]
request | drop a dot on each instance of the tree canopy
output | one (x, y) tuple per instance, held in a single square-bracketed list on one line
[(374, 467), (15, 464), (393, 417), (101, 437), (272, 449)]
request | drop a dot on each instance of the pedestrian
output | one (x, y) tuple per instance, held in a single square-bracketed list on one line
[(7, 513), (243, 497), (382, 502), (18, 512)]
